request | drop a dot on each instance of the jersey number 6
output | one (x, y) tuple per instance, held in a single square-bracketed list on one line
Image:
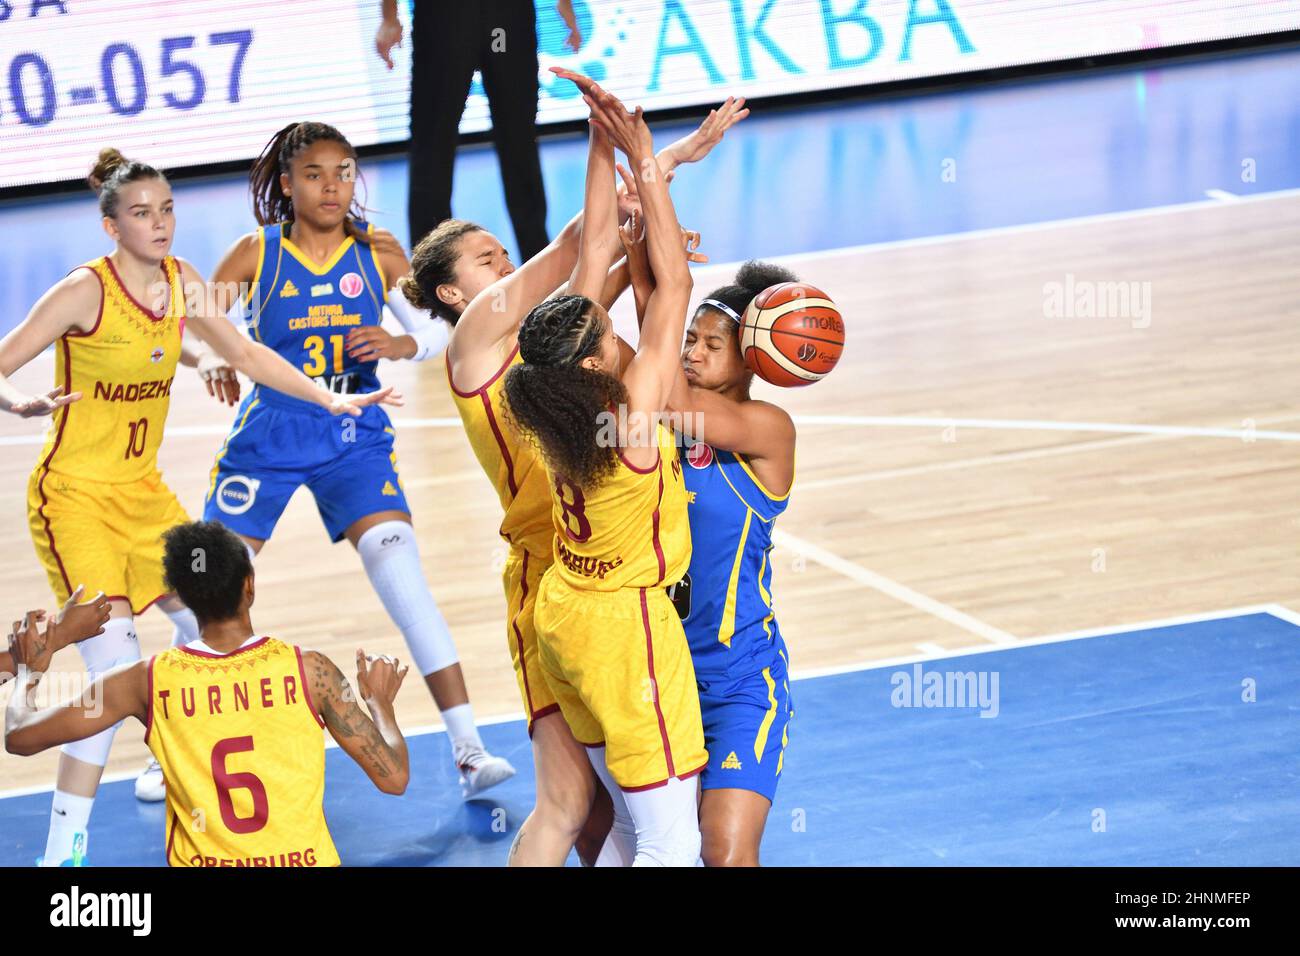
[(227, 781)]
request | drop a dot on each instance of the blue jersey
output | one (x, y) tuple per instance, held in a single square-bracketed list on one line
[(278, 442), (727, 599), (304, 311)]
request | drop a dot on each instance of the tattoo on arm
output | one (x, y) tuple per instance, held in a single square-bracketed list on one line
[(345, 719)]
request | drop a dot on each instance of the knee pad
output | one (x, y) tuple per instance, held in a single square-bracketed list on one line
[(117, 645), (392, 561)]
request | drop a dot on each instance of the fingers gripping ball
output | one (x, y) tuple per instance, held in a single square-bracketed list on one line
[(791, 334)]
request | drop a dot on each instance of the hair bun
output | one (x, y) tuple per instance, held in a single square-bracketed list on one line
[(109, 160), (411, 289)]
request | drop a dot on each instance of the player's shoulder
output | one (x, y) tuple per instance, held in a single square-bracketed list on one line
[(81, 284), (772, 416)]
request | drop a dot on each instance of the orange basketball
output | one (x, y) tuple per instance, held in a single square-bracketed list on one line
[(791, 334)]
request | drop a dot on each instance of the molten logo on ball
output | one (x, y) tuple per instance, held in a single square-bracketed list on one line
[(792, 335)]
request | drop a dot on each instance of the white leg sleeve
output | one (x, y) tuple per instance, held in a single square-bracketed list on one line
[(117, 645), (667, 822), (392, 562), (619, 848), (185, 626)]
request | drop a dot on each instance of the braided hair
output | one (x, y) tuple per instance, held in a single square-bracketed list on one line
[(111, 172), (553, 400), (270, 204)]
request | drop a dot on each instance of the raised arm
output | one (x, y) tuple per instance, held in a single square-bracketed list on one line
[(375, 742), (262, 364), (649, 377)]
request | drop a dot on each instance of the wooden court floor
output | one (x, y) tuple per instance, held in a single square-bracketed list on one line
[(932, 532)]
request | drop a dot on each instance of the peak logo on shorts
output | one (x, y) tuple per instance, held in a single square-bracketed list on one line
[(351, 285), (389, 489), (699, 455), (732, 762), (236, 494)]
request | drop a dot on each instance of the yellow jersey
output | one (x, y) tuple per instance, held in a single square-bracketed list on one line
[(631, 532), (242, 753), (510, 462), (123, 368)]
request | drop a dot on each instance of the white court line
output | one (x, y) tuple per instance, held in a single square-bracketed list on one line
[(1017, 424), (1119, 216), (1027, 454), (1282, 613), (1222, 195), (929, 647), (940, 653), (891, 588), (859, 421)]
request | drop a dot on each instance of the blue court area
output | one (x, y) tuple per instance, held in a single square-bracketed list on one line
[(804, 179), (1136, 748)]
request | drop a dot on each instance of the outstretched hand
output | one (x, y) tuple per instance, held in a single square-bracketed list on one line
[(695, 146), (44, 404), (627, 130), (353, 404)]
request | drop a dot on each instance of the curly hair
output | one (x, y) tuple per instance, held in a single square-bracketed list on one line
[(270, 204), (556, 403), (111, 172), (206, 564), (433, 263), (751, 279)]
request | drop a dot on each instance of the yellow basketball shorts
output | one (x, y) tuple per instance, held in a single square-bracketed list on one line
[(521, 577), (619, 666), (107, 537)]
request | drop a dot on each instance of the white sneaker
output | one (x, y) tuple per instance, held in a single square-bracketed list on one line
[(479, 770), (149, 786)]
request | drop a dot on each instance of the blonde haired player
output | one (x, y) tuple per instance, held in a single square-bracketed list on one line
[(96, 501), (233, 718), (610, 641)]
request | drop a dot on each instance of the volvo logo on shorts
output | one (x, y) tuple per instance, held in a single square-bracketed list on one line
[(700, 455), (236, 494), (351, 285)]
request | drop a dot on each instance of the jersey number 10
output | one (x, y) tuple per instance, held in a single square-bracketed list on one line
[(139, 435)]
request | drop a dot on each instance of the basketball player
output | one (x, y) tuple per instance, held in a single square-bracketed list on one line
[(451, 268), (609, 641), (96, 502), (233, 718), (317, 273), (739, 483)]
